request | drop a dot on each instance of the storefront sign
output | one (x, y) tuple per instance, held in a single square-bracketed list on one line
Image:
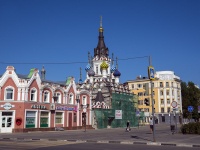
[(66, 108), (7, 106), (38, 107)]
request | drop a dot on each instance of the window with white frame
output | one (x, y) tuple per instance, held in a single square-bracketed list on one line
[(59, 118), (33, 94), (161, 92), (9, 93), (46, 96), (168, 101), (167, 92), (162, 101), (167, 84), (58, 94), (71, 98), (84, 100)]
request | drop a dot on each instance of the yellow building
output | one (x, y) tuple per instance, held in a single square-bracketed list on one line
[(166, 96)]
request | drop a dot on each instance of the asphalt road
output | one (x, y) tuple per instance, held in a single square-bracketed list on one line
[(63, 145)]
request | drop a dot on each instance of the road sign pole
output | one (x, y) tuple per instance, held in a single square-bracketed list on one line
[(151, 77)]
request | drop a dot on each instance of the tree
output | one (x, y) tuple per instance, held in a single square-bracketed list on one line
[(190, 97)]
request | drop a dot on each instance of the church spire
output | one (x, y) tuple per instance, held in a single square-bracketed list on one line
[(101, 49)]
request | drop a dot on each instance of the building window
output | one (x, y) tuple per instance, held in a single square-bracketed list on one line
[(84, 100), (172, 92), (146, 109), (44, 119), (168, 101), (167, 84), (140, 102), (140, 94), (33, 95), (59, 97), (59, 118), (161, 84), (168, 109), (71, 98), (161, 92), (132, 85), (139, 85), (97, 70), (46, 96), (162, 101), (172, 84), (75, 117), (162, 110), (30, 119), (167, 92), (9, 94)]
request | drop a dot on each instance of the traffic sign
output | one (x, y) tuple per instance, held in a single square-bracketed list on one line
[(190, 108), (174, 104), (151, 72)]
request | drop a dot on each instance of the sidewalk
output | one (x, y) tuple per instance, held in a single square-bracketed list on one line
[(141, 135)]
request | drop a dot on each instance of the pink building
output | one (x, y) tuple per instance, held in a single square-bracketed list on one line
[(31, 103)]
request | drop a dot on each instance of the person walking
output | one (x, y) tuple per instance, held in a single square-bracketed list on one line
[(128, 126), (151, 124)]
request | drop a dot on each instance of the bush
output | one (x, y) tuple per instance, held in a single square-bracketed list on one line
[(191, 128)]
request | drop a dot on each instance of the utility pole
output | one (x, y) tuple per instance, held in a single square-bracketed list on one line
[(151, 77)]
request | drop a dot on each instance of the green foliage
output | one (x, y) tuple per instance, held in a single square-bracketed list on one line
[(190, 97), (191, 128)]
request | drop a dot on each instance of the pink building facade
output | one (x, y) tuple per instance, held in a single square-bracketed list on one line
[(29, 103)]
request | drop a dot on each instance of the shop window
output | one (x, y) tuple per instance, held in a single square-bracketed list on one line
[(46, 96), (59, 118), (44, 119), (9, 93), (30, 119), (162, 110), (33, 95)]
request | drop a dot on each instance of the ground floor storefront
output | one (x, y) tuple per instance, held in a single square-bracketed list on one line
[(28, 116)]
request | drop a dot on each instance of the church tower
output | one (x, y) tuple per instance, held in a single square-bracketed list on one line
[(101, 67)]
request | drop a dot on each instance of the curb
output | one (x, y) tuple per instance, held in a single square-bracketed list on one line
[(106, 141)]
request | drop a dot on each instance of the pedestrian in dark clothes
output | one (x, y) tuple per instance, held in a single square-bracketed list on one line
[(128, 126)]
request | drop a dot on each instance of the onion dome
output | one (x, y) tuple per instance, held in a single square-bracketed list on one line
[(104, 65), (117, 73), (113, 68), (80, 80), (91, 72), (87, 68)]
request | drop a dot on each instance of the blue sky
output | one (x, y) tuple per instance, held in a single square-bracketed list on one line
[(63, 31)]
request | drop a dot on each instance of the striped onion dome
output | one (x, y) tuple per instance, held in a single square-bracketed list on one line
[(87, 68), (104, 65), (117, 73), (91, 72), (113, 68)]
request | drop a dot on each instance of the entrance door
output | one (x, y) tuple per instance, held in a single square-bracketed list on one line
[(6, 122)]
